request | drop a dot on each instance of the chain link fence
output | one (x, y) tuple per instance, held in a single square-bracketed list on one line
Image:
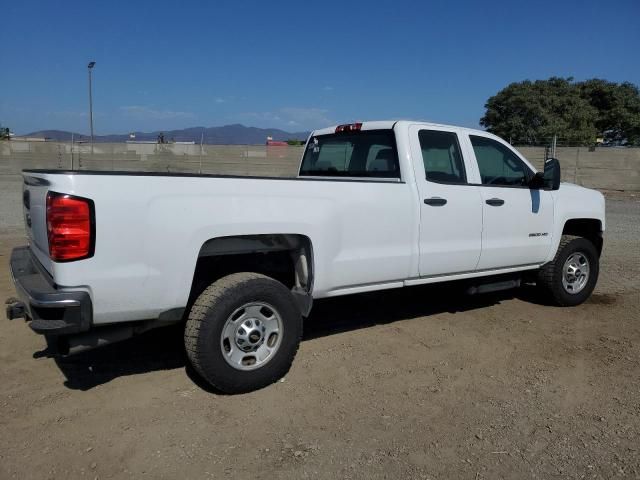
[(605, 168), (150, 157), (602, 167)]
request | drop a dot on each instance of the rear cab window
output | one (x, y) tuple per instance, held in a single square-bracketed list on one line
[(442, 157), (359, 154)]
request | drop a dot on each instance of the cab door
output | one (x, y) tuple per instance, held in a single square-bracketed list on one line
[(517, 220), (450, 208)]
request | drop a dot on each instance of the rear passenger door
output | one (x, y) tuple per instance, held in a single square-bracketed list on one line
[(450, 208), (517, 220)]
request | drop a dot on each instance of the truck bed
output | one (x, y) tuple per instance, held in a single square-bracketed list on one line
[(150, 228)]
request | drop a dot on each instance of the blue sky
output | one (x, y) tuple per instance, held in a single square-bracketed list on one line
[(294, 65)]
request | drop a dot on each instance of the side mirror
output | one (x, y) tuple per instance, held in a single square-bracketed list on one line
[(552, 174)]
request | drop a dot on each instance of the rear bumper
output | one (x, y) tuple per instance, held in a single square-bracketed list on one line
[(50, 310)]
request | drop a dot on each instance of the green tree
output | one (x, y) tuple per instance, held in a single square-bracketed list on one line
[(618, 107), (577, 112)]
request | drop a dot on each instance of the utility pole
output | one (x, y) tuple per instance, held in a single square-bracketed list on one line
[(90, 67), (201, 141)]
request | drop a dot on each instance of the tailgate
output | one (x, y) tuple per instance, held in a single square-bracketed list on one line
[(34, 201)]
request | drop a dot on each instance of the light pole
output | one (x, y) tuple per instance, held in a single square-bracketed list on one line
[(90, 67)]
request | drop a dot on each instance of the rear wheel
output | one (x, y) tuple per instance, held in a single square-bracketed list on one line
[(569, 279), (243, 332)]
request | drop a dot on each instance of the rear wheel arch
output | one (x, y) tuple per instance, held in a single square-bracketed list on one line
[(285, 257)]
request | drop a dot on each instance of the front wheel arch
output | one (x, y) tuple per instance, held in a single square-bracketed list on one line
[(589, 228)]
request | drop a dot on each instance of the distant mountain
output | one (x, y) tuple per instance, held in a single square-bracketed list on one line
[(227, 135), (57, 135)]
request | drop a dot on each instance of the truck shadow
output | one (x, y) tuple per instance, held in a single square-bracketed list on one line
[(163, 349), (341, 314)]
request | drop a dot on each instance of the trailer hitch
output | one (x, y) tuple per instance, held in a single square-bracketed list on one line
[(15, 309)]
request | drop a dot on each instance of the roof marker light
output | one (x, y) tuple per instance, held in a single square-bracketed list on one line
[(349, 127)]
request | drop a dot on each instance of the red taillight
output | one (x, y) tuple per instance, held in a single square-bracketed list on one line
[(69, 227), (350, 127)]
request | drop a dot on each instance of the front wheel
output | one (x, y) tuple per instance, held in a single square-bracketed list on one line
[(569, 279), (243, 332)]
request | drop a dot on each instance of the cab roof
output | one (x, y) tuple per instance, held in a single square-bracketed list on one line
[(389, 124)]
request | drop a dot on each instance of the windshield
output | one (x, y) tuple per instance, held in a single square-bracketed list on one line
[(370, 153)]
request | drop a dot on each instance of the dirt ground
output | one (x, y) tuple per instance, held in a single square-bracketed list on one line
[(416, 383)]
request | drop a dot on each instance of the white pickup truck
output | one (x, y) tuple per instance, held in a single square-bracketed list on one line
[(376, 205)]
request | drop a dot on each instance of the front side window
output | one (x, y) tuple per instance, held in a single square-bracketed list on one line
[(441, 157), (369, 153), (498, 165)]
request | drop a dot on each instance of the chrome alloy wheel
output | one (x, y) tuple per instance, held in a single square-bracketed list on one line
[(575, 273), (251, 336)]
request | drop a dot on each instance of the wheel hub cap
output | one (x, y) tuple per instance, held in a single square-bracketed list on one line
[(575, 273), (251, 335)]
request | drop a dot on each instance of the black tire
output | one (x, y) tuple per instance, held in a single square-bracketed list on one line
[(208, 316), (550, 274)]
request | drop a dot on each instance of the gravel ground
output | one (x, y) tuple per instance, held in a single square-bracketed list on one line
[(415, 383)]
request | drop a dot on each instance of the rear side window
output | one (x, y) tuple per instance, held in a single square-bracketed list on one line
[(369, 153), (497, 164), (441, 156)]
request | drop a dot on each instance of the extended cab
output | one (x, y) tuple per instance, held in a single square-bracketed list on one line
[(376, 205)]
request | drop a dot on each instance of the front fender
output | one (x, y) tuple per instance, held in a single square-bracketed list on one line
[(572, 202)]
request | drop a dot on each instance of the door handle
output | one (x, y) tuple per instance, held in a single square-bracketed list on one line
[(435, 201), (495, 202)]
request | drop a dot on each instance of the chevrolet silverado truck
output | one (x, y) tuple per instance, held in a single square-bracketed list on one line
[(239, 260)]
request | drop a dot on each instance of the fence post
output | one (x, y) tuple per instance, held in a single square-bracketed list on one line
[(201, 141)]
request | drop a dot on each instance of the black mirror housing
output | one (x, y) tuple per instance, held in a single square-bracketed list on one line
[(551, 174), (537, 181)]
